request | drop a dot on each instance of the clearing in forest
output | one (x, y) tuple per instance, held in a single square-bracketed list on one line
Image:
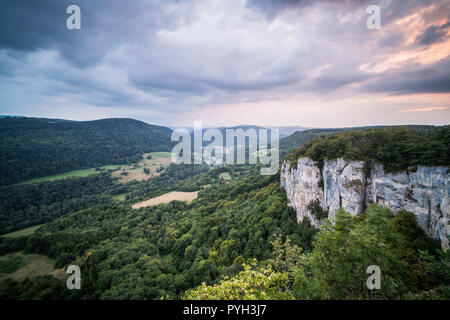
[(74, 173), (21, 233), (151, 165), (166, 198), (19, 266)]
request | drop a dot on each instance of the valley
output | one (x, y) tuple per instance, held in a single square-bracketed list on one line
[(75, 173), (281, 155), (28, 266), (151, 165), (191, 231)]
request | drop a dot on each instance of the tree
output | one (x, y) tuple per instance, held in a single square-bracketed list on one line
[(343, 252), (250, 284)]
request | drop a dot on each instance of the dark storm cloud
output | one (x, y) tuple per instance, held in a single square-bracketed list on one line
[(330, 82), (272, 7), (177, 54), (394, 40), (431, 79), (434, 34), (29, 25), (32, 25)]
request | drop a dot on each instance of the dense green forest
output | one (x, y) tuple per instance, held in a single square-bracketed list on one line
[(31, 204), (26, 205), (396, 148), (238, 240), (161, 251), (413, 266), (33, 147)]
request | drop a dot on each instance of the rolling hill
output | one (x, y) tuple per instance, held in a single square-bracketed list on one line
[(34, 147)]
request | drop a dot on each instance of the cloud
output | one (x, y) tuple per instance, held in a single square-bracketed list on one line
[(413, 79), (395, 40), (172, 57), (434, 34), (272, 8), (429, 109)]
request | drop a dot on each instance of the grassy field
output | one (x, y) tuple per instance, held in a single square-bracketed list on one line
[(158, 159), (74, 173), (166, 198), (155, 166), (19, 266), (225, 176), (160, 154), (21, 233), (120, 197)]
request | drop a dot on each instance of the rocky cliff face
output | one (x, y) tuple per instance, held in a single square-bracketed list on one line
[(424, 191)]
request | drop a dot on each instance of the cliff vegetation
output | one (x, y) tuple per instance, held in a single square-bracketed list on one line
[(396, 148)]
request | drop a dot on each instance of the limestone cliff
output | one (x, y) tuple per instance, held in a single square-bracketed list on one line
[(424, 191)]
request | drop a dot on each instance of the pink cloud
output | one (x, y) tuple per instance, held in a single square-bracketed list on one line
[(429, 109)]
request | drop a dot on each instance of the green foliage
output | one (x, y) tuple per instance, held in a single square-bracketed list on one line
[(396, 148), (11, 264), (296, 140), (164, 250), (249, 284), (357, 245), (41, 288), (316, 209), (414, 249), (31, 204), (40, 147), (27, 205), (286, 258), (337, 266), (211, 243)]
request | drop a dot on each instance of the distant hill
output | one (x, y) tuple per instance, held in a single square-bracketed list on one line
[(9, 116), (34, 147), (284, 131)]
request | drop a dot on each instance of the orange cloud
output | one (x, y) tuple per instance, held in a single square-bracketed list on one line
[(423, 109)]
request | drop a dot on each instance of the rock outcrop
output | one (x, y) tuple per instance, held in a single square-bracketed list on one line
[(424, 191)]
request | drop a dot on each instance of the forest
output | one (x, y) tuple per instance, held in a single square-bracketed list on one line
[(396, 148), (238, 240), (162, 251), (33, 147)]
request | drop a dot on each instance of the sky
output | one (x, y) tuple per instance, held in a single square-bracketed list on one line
[(228, 62)]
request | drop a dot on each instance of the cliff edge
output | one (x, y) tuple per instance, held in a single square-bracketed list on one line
[(317, 193)]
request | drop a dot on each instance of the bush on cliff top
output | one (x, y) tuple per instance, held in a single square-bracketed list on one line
[(396, 148)]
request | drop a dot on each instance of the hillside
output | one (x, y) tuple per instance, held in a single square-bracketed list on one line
[(33, 147), (396, 147), (174, 250)]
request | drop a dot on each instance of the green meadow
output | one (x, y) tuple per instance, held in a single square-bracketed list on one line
[(160, 154), (22, 232), (75, 173)]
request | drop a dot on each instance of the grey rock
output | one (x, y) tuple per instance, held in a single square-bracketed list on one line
[(424, 191)]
